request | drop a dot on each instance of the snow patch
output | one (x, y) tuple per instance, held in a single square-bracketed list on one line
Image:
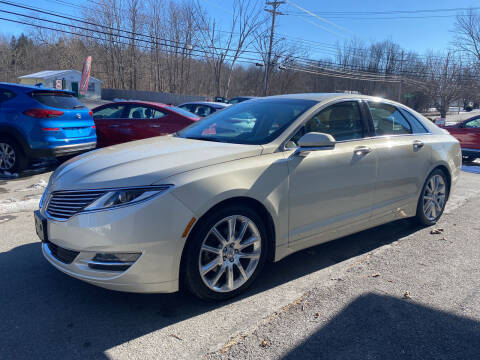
[(10, 206)]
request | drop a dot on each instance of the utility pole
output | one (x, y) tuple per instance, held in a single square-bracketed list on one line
[(401, 80), (274, 11)]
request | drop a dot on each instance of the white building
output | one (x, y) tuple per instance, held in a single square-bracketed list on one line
[(63, 79)]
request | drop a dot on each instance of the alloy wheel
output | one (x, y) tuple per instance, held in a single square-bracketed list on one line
[(434, 196), (230, 253), (7, 156)]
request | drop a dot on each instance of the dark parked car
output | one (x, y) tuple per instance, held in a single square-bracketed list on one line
[(240, 99), (203, 108), (468, 133), (37, 122), (124, 121)]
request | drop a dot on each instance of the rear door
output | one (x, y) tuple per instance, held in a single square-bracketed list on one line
[(148, 121), (404, 155), (110, 120)]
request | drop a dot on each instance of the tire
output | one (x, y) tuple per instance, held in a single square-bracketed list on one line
[(12, 157), (214, 284), (436, 187)]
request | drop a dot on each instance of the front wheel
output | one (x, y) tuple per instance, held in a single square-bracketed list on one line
[(225, 254), (433, 198)]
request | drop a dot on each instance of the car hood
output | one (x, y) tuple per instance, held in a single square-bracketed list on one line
[(144, 162)]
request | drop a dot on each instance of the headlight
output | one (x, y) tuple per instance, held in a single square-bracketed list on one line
[(122, 197), (42, 199)]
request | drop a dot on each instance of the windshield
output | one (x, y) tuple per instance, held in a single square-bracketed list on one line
[(182, 111), (254, 122)]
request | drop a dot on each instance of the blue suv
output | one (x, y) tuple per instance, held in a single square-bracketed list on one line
[(36, 122)]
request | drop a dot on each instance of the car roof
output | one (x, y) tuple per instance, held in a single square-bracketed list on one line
[(25, 88), (137, 102), (208, 103), (321, 97)]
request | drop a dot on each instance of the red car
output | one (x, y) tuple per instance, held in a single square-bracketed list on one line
[(124, 121), (468, 133)]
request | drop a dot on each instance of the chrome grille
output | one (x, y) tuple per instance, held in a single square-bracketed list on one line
[(65, 204)]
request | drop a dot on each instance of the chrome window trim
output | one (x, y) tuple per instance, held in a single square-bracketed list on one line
[(316, 111), (358, 100), (166, 188)]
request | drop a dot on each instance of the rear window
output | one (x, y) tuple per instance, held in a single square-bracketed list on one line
[(6, 95), (57, 99)]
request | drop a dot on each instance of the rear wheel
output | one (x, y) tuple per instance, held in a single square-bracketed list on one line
[(433, 198), (12, 158), (226, 253)]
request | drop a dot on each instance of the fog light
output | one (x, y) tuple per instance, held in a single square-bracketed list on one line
[(113, 262), (116, 257)]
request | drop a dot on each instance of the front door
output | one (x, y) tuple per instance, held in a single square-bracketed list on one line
[(469, 134), (331, 190), (110, 121)]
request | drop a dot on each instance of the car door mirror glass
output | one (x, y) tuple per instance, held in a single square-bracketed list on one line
[(316, 140)]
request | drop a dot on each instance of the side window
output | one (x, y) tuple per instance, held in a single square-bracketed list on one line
[(343, 121), (110, 112), (151, 113), (188, 107), (6, 95), (203, 110), (387, 119), (473, 124), (417, 126)]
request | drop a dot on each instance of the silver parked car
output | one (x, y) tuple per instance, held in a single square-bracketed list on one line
[(206, 207)]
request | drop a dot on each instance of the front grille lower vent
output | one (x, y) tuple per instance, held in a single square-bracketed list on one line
[(64, 255), (65, 204)]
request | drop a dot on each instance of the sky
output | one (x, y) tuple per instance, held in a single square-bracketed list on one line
[(335, 21)]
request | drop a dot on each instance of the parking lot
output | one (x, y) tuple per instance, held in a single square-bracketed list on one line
[(394, 291)]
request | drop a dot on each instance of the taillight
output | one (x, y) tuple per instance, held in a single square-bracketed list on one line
[(43, 113), (94, 127), (90, 113), (51, 129)]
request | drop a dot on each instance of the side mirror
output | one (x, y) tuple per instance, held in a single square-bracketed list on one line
[(314, 141)]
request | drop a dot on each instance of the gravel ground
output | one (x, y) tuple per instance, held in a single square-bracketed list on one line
[(343, 299), (415, 298)]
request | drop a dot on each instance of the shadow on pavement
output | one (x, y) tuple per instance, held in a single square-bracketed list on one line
[(382, 327), (35, 168), (46, 314)]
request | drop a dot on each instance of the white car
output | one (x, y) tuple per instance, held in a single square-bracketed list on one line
[(206, 207)]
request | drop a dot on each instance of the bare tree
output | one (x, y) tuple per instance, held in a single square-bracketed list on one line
[(223, 48), (445, 82), (467, 33)]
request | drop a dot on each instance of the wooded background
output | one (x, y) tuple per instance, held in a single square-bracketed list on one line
[(177, 47)]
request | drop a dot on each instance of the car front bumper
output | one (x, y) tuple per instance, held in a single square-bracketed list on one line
[(152, 228)]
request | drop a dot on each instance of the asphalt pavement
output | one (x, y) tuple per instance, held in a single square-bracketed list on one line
[(396, 291)]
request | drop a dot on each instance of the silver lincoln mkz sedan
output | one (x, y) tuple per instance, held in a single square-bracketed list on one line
[(206, 207)]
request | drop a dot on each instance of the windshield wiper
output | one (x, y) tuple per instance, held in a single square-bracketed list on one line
[(202, 138)]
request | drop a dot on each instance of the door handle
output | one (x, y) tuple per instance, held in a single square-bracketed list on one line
[(114, 126), (362, 150), (417, 144)]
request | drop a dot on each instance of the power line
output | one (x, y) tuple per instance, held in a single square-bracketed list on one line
[(395, 11)]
